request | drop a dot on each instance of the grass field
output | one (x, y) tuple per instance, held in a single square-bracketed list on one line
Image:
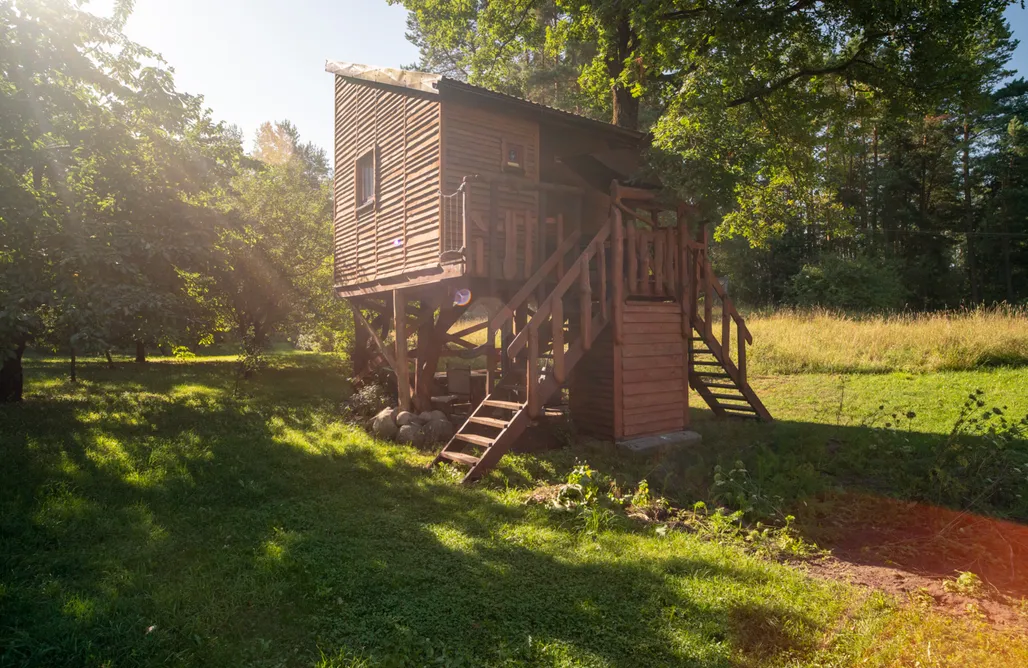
[(174, 516), (825, 342)]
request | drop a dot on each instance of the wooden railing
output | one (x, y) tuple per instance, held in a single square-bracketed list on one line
[(507, 313), (704, 283), (551, 313)]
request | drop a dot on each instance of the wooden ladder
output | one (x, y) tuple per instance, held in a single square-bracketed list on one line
[(518, 397)]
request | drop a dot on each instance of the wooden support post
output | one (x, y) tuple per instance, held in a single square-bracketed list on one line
[(618, 245), (426, 358), (604, 311), (402, 370), (532, 373), (633, 259), (685, 293), (586, 299), (520, 318), (359, 355), (557, 316), (378, 341)]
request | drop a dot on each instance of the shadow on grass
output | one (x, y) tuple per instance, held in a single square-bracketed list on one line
[(872, 496), (205, 528)]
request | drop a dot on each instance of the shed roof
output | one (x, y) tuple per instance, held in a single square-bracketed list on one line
[(439, 84)]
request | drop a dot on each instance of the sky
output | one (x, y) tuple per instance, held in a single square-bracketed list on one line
[(264, 60)]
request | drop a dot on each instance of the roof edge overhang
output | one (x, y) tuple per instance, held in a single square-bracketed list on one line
[(445, 87)]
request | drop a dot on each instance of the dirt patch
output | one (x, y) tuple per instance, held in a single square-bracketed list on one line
[(911, 550)]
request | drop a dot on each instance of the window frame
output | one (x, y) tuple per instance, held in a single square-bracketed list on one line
[(507, 166), (358, 181)]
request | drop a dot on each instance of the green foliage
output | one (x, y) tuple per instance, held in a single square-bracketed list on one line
[(966, 584), (850, 284)]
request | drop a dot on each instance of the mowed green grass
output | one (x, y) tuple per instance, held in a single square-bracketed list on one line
[(175, 516)]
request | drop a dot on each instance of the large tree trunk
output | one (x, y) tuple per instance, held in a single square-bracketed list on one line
[(12, 378), (140, 352), (625, 105)]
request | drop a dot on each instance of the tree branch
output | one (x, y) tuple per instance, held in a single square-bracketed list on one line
[(808, 73)]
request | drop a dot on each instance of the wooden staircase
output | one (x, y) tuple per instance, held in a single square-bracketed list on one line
[(517, 397), (716, 377), (661, 264)]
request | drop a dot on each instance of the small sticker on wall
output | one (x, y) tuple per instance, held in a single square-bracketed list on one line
[(397, 243)]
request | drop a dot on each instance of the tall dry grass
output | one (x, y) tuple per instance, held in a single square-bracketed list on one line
[(795, 341)]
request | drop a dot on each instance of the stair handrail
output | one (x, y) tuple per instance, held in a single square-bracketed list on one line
[(506, 311), (546, 308)]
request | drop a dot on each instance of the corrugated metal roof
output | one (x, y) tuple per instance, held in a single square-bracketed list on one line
[(437, 83)]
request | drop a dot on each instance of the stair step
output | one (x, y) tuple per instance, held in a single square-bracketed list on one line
[(461, 457), (711, 374), (508, 405), (489, 422), (744, 409), (733, 397), (717, 364), (721, 386), (483, 441)]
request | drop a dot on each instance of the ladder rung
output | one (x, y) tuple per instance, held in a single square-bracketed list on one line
[(711, 374), (483, 441), (717, 364), (733, 397), (744, 409), (721, 386), (496, 403), (489, 422), (461, 457)]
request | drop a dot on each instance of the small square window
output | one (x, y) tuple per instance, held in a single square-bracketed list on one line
[(365, 173), (513, 157)]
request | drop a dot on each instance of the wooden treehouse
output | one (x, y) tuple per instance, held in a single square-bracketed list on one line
[(445, 191)]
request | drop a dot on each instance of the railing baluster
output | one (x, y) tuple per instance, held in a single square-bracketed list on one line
[(532, 373), (557, 318), (586, 301), (644, 251), (618, 245), (726, 331), (603, 283), (633, 259), (742, 355), (708, 299), (658, 262), (490, 360)]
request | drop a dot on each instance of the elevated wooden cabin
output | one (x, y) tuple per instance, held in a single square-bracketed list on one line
[(446, 191)]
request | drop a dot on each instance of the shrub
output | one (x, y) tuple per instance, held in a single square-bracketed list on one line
[(851, 284)]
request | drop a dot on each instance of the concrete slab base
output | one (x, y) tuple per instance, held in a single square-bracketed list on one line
[(659, 442)]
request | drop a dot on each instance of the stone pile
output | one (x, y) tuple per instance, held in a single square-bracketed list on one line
[(392, 424)]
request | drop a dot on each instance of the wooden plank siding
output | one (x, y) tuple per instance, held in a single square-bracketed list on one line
[(653, 380), (401, 232), (472, 139)]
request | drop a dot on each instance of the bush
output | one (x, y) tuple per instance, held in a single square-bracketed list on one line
[(850, 284)]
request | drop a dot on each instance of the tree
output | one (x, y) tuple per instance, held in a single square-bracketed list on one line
[(272, 264)]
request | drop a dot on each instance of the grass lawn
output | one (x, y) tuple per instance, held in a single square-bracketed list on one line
[(171, 515)]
